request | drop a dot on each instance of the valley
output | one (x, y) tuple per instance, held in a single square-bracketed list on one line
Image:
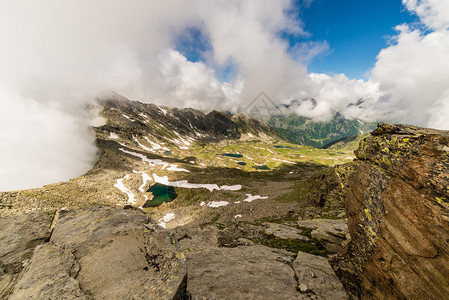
[(219, 180), (195, 205)]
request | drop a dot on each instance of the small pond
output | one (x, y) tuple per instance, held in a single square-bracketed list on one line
[(231, 155), (241, 163), (286, 147), (161, 193)]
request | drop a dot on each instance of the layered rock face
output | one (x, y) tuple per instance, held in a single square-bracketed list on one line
[(396, 196), (96, 253)]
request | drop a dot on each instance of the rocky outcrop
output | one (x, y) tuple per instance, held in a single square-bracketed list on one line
[(102, 253), (316, 277), (284, 232), (50, 275), (396, 196), (331, 233), (19, 235), (253, 271)]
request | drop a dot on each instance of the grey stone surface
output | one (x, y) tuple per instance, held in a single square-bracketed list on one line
[(255, 272), (332, 233), (252, 271), (102, 253), (122, 253), (316, 277), (49, 275), (284, 231), (19, 235)]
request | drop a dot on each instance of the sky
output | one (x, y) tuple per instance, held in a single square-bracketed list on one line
[(354, 30), (371, 60)]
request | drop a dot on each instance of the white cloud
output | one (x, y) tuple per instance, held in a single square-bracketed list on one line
[(413, 72), (57, 56), (433, 13), (332, 94), (408, 84), (40, 144)]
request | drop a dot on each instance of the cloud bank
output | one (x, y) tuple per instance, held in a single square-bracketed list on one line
[(409, 82), (57, 56)]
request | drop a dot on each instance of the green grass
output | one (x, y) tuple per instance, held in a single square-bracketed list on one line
[(313, 246), (297, 193)]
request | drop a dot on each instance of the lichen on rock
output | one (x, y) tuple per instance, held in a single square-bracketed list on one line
[(396, 199)]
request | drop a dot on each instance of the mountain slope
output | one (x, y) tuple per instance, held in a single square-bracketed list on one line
[(143, 144), (147, 123), (228, 187), (305, 131)]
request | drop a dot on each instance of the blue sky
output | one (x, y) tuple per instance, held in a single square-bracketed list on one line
[(356, 30)]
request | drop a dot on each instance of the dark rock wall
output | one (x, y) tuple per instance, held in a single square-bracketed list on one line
[(396, 196)]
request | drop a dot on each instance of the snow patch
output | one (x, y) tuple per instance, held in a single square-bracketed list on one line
[(151, 162), (142, 146), (163, 110), (113, 136), (215, 204), (183, 143), (184, 184), (251, 198), (155, 145), (165, 219), (174, 167), (119, 184), (129, 118), (155, 162), (231, 187), (237, 216), (145, 178), (286, 161)]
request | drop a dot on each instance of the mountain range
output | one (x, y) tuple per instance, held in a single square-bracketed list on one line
[(304, 131), (185, 204)]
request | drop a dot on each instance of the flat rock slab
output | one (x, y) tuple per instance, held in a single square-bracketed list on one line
[(316, 277), (19, 235), (332, 233), (284, 231), (49, 275), (105, 253), (255, 272)]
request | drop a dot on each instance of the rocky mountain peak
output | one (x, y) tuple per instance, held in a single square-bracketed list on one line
[(163, 122)]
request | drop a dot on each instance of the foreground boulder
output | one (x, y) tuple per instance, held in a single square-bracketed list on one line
[(316, 277), (255, 271), (396, 196), (331, 233), (104, 253), (19, 235)]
